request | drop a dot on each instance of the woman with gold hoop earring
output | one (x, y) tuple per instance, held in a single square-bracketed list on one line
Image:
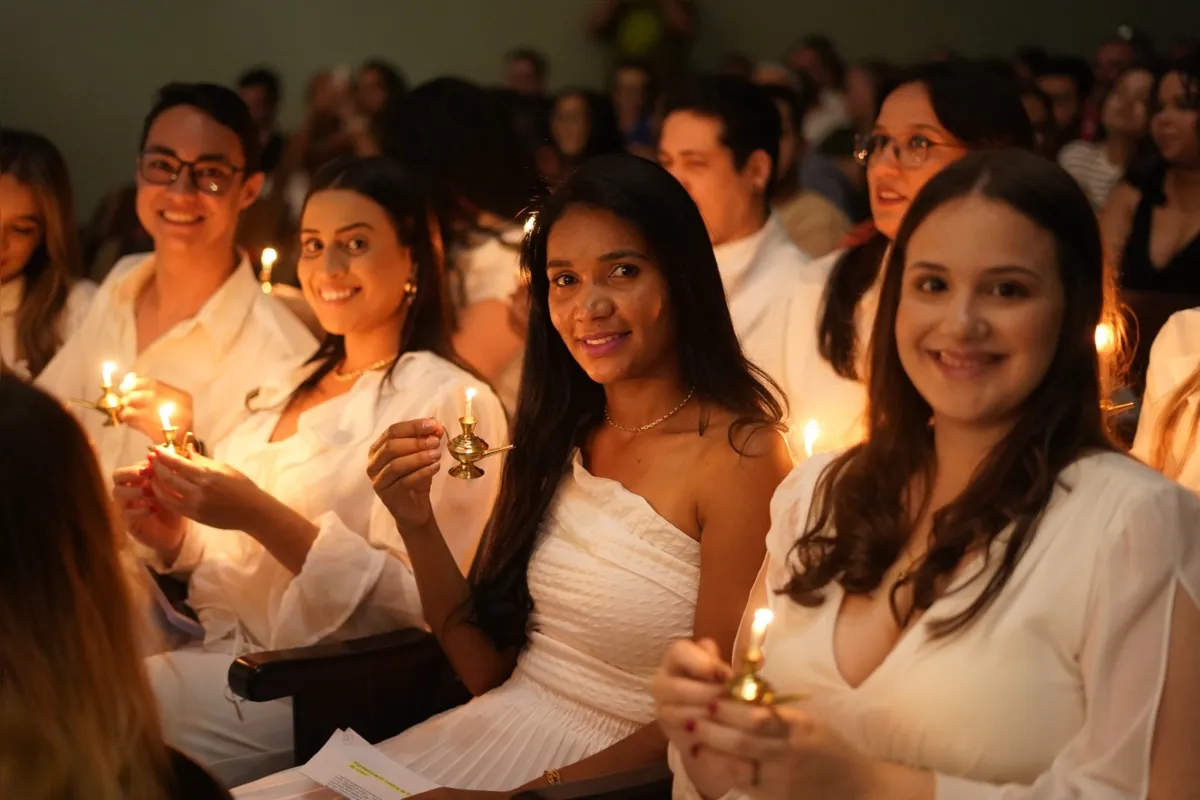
[(281, 537)]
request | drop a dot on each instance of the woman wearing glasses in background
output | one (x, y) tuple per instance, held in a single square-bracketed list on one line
[(189, 319), (929, 119)]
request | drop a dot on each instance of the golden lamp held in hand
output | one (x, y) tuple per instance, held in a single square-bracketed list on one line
[(748, 686), (109, 402), (467, 448)]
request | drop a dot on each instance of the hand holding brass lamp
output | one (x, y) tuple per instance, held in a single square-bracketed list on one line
[(467, 448)]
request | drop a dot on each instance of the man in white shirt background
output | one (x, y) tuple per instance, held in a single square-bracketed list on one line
[(720, 139), (189, 320)]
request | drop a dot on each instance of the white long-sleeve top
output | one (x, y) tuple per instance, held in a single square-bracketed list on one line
[(12, 294), (1052, 692), (1174, 358), (217, 356), (356, 580)]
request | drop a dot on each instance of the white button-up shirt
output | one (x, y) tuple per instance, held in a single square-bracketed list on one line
[(356, 579), (12, 294), (217, 356)]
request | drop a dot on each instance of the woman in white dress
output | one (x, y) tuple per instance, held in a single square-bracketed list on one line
[(281, 537), (41, 301), (1013, 611), (1167, 427), (931, 118), (609, 539)]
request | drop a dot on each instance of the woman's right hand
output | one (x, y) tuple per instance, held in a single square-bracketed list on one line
[(401, 467), (158, 528)]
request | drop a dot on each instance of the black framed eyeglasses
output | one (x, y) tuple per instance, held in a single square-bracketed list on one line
[(910, 153), (209, 176)]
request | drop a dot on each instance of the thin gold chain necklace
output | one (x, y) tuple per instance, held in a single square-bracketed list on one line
[(346, 377), (657, 422)]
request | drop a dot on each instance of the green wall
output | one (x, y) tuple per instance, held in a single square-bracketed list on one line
[(83, 72)]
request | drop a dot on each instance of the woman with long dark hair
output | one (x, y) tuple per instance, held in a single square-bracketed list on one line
[(482, 179), (583, 125), (984, 599), (928, 120), (280, 537), (42, 300), (608, 539), (77, 716)]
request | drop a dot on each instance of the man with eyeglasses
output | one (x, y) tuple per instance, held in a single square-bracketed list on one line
[(187, 324)]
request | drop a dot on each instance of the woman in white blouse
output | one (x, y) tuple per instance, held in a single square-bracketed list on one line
[(985, 599), (281, 537), (929, 119), (1167, 427), (41, 302)]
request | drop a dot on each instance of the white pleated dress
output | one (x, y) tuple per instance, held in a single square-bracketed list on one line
[(612, 583)]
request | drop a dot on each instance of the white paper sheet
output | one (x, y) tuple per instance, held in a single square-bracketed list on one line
[(349, 765)]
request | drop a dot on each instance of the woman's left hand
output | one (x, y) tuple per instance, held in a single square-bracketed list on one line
[(207, 491), (782, 752)]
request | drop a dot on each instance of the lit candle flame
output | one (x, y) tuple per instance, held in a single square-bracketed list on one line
[(164, 413), (1106, 338), (268, 259), (468, 414), (107, 372), (530, 221), (812, 432), (763, 618), (128, 382)]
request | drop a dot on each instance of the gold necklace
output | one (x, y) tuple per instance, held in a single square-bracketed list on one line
[(656, 422), (346, 377)]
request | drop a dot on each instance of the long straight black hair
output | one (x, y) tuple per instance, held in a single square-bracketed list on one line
[(981, 105), (861, 516), (560, 405), (398, 190)]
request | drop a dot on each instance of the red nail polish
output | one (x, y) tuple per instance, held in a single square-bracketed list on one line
[(712, 708), (690, 726)]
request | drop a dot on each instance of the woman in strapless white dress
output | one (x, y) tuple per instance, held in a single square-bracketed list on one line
[(632, 512), (1167, 427), (1014, 614)]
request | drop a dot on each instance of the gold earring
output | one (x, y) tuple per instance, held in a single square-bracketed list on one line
[(410, 291)]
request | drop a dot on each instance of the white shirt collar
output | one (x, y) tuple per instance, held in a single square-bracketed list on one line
[(11, 295), (222, 315)]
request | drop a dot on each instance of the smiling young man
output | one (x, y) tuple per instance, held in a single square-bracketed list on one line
[(188, 319), (720, 139)]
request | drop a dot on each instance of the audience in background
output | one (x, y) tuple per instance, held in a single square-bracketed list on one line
[(261, 89), (1067, 81), (1099, 165), (77, 717), (865, 84), (814, 224), (816, 57), (1041, 115), (658, 32), (582, 126), (526, 71), (377, 86), (634, 93), (43, 301)]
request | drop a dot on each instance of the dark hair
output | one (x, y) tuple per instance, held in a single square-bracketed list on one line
[(462, 140), (604, 136), (1137, 66), (559, 404), (397, 190), (36, 163), (825, 50), (265, 77), (1073, 67), (640, 65), (954, 89), (535, 59), (791, 101), (859, 520), (391, 76), (1147, 169), (219, 103), (748, 117)]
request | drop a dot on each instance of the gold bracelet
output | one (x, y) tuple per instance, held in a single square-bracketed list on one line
[(552, 776)]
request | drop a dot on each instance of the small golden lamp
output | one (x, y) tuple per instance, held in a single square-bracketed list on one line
[(749, 686), (109, 402), (467, 448)]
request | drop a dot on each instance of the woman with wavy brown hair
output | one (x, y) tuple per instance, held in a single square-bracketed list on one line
[(77, 718), (985, 599), (41, 301)]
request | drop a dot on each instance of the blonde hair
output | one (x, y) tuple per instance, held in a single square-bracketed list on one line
[(1162, 457), (77, 715)]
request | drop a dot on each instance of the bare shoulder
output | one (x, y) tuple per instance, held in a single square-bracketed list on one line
[(743, 453), (1122, 200)]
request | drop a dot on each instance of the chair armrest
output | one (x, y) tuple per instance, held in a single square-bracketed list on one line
[(651, 782), (405, 656)]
